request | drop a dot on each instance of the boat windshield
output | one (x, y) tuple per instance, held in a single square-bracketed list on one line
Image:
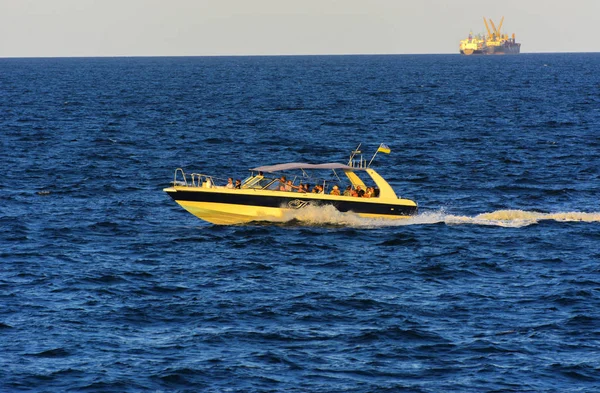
[(258, 182)]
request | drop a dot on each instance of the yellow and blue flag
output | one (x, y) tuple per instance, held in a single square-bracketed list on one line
[(383, 148)]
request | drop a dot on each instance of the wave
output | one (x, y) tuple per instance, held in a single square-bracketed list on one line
[(329, 216)]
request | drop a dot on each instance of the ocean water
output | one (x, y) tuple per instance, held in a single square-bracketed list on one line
[(107, 285)]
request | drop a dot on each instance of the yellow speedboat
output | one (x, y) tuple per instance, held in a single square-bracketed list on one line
[(267, 195)]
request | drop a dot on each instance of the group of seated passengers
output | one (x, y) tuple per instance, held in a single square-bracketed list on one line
[(360, 193), (286, 185), (230, 185)]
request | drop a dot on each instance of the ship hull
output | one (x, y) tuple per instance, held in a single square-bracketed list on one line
[(513, 49)]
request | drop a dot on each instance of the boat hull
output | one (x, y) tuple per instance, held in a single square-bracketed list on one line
[(226, 207)]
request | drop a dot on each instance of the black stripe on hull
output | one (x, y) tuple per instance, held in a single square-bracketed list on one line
[(291, 202)]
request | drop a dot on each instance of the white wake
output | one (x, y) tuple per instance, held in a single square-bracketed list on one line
[(328, 215)]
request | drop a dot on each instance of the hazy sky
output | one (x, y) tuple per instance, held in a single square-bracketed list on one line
[(271, 27)]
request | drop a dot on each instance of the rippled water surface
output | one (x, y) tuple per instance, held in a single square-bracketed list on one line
[(107, 285)]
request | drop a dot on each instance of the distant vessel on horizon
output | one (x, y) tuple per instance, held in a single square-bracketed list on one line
[(494, 43)]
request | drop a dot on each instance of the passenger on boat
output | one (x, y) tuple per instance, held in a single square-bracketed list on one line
[(281, 186), (359, 192), (288, 186), (238, 184), (229, 183), (301, 188), (335, 190), (368, 193), (348, 191)]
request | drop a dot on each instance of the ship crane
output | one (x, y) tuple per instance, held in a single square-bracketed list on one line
[(497, 31), (500, 25), (500, 28), (496, 34), (487, 28)]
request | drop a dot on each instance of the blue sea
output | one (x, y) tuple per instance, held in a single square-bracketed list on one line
[(107, 285)]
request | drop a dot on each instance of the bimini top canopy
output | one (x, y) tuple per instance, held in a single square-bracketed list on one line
[(303, 165)]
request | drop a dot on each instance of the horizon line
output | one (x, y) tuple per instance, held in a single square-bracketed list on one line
[(278, 55)]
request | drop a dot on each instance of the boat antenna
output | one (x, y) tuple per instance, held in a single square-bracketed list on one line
[(354, 152)]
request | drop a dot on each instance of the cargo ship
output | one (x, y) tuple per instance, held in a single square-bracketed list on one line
[(494, 43)]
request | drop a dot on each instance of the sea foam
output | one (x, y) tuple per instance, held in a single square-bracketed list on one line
[(328, 215)]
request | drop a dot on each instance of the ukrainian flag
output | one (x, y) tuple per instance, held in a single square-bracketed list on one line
[(383, 148)]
